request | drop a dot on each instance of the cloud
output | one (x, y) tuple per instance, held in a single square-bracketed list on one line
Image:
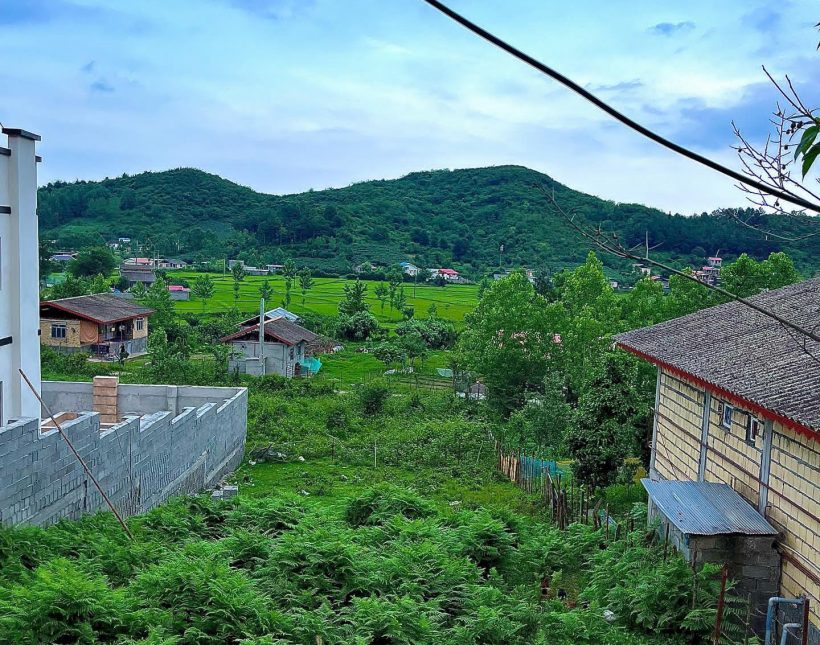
[(101, 85), (273, 9), (671, 28), (88, 67), (623, 86)]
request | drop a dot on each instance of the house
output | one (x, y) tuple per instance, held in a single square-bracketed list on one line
[(737, 404), (169, 263), (63, 256), (642, 269), (280, 347), (178, 292), (409, 269), (134, 273), (450, 275), (140, 262), (142, 443), (99, 324)]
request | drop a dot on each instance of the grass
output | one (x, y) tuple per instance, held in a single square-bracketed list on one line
[(453, 302)]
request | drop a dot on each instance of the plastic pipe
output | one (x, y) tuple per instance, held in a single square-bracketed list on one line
[(773, 602), (786, 629)]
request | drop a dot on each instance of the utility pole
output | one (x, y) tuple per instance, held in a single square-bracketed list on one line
[(262, 334)]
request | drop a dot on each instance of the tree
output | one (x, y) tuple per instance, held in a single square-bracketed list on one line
[(305, 282), (100, 285), (238, 274), (644, 305), (47, 266), (138, 290), (394, 279), (266, 290), (358, 326), (510, 340), (92, 261), (70, 288), (400, 300), (381, 292), (289, 273), (390, 354), (203, 288), (158, 298), (414, 347), (354, 299)]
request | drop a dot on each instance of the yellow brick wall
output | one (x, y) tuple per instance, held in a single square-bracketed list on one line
[(793, 507), (144, 331), (677, 449), (72, 334), (730, 459)]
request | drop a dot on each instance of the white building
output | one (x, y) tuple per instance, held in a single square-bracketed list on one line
[(409, 268), (19, 275)]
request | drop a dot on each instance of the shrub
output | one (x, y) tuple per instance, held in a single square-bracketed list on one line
[(380, 503), (435, 332), (372, 397), (359, 326)]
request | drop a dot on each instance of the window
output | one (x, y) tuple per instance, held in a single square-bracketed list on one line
[(726, 416), (752, 429), (58, 330), (140, 324), (291, 353)]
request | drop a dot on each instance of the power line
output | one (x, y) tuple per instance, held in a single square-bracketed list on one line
[(634, 125)]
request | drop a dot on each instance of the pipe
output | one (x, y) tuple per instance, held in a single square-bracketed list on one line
[(786, 629), (773, 601)]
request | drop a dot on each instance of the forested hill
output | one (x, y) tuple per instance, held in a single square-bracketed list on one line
[(435, 218)]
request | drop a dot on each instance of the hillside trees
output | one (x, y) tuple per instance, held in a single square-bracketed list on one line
[(91, 262)]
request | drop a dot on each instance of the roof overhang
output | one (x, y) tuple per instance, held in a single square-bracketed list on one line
[(67, 310), (724, 393)]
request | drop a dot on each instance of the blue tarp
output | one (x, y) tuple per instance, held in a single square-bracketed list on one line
[(313, 364), (533, 465)]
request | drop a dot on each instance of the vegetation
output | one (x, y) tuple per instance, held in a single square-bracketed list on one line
[(437, 218)]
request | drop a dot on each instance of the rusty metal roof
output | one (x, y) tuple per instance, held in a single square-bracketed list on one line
[(745, 353), (706, 508), (279, 330)]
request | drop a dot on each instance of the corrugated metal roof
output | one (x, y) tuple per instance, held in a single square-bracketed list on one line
[(706, 508)]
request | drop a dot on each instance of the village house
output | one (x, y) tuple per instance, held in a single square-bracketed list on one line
[(178, 292), (142, 443), (63, 257), (450, 275), (100, 324), (409, 269), (134, 273), (279, 347), (735, 462)]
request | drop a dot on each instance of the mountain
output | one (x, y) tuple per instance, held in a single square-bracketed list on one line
[(434, 218)]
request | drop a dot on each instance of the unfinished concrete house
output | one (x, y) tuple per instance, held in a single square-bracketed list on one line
[(143, 443), (735, 465), (277, 347)]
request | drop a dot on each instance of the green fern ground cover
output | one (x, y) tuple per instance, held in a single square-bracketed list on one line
[(428, 545), (452, 302)]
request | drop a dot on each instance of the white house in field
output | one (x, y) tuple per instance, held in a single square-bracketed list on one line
[(19, 275)]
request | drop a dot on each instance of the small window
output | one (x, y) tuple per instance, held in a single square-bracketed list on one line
[(752, 429), (291, 353), (140, 324), (726, 416), (58, 330)]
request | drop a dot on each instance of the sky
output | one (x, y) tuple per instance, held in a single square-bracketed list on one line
[(289, 95)]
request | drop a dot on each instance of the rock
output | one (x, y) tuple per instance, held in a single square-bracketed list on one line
[(304, 493), (609, 616), (300, 458), (252, 463), (230, 491)]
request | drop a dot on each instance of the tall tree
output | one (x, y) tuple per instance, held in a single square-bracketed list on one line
[(305, 283), (238, 275), (354, 299), (394, 279), (203, 288), (158, 298), (266, 291), (92, 261), (289, 273), (381, 292)]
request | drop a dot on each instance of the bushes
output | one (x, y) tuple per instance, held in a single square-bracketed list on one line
[(358, 326), (372, 397), (381, 503), (435, 332)]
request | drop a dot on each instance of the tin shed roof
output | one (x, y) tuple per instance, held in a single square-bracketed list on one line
[(102, 308), (706, 508)]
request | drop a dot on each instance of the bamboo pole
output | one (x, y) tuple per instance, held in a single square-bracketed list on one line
[(77, 455)]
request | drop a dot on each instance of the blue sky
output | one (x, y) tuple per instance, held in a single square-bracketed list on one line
[(287, 95)]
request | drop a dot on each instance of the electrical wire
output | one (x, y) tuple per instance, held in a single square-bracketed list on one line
[(634, 125)]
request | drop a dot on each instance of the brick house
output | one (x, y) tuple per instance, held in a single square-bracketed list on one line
[(737, 403), (99, 324)]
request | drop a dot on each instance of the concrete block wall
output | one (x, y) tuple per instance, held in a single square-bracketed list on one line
[(140, 462)]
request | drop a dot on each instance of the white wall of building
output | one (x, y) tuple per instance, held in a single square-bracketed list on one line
[(19, 276)]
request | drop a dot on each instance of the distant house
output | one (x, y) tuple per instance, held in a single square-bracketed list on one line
[(614, 284), (735, 463), (143, 262), (99, 324), (283, 349), (274, 268), (134, 273), (409, 269), (63, 256), (179, 292), (169, 263), (450, 275)]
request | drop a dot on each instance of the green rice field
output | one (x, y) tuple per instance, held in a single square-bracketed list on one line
[(452, 302)]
